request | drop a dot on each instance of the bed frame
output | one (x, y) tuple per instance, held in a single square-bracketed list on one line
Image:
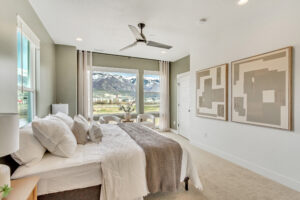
[(90, 193)]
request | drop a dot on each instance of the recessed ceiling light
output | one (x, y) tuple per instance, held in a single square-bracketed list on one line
[(242, 2), (163, 52), (79, 39), (203, 20)]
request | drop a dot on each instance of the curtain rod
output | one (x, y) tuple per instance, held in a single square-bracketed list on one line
[(125, 56)]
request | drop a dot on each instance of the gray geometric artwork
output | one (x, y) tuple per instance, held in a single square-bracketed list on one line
[(261, 89), (211, 92)]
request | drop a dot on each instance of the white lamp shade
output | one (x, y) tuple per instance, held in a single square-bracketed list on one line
[(64, 108), (9, 133)]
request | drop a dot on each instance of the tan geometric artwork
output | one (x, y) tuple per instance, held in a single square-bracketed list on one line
[(211, 92), (261, 89)]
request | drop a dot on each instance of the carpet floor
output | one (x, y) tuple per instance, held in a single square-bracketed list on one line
[(223, 180)]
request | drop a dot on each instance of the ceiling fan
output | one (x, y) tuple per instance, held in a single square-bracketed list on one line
[(140, 38)]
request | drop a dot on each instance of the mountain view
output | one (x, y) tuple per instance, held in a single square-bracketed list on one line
[(110, 89)]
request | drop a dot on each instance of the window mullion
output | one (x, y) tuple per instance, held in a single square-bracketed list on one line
[(21, 58), (26, 89)]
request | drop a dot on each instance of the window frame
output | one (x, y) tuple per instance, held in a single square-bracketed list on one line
[(34, 48), (113, 70)]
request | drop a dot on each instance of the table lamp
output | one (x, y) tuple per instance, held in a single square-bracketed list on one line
[(9, 142)]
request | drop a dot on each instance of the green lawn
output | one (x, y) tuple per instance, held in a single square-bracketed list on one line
[(151, 108), (106, 109), (114, 108)]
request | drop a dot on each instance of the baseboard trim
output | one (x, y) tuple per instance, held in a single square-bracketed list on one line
[(279, 178), (173, 131)]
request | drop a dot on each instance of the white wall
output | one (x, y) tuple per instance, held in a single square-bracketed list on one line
[(271, 152)]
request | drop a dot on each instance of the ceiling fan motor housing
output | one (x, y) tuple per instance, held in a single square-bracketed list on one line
[(141, 25)]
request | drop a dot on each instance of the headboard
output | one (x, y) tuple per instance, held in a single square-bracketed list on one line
[(7, 160)]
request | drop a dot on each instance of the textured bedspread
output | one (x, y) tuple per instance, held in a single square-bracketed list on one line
[(120, 159), (163, 157)]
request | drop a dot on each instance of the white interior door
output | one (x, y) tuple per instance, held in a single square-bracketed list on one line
[(183, 104)]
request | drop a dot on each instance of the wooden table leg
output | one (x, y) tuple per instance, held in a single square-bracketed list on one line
[(35, 193)]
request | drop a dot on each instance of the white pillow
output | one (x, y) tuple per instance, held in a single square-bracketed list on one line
[(83, 119), (55, 136), (65, 118), (80, 129), (95, 133), (30, 151)]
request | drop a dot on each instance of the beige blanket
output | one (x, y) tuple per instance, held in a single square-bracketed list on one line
[(163, 157)]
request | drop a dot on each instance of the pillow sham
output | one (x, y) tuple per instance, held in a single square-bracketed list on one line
[(30, 149), (80, 129), (65, 118), (83, 119), (55, 136), (95, 133)]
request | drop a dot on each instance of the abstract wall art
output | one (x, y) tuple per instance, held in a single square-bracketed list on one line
[(261, 89), (211, 92)]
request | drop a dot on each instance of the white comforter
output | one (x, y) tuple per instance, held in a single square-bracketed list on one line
[(122, 163), (123, 169)]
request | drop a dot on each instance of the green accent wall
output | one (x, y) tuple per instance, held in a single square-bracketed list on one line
[(180, 66), (66, 76), (107, 60), (9, 10)]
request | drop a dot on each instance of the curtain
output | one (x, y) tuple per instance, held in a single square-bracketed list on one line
[(164, 111), (84, 70)]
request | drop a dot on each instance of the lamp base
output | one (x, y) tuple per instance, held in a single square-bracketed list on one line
[(4, 175)]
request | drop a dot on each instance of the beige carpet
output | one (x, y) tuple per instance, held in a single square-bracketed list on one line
[(223, 180)]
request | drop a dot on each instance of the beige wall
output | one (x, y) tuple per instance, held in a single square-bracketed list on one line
[(66, 76), (106, 60), (271, 152), (180, 66), (8, 57)]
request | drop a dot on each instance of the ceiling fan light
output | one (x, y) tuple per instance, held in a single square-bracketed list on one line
[(242, 2)]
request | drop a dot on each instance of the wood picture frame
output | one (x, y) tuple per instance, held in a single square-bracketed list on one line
[(212, 92), (261, 89)]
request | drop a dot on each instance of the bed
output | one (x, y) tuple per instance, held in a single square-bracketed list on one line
[(82, 175)]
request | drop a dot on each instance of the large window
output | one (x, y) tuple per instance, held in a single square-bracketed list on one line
[(151, 92), (111, 88), (27, 45)]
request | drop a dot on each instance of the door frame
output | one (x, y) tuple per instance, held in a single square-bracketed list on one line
[(181, 75)]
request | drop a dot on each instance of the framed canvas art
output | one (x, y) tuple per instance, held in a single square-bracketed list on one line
[(211, 92), (261, 92)]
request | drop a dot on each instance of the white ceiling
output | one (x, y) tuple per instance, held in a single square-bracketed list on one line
[(103, 24)]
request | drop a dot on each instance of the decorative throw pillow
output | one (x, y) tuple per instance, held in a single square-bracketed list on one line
[(65, 118), (83, 119), (95, 133), (30, 149), (55, 136), (80, 129)]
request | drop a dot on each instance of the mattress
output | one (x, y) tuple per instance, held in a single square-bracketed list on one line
[(58, 174)]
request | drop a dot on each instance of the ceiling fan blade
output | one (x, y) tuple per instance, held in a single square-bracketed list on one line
[(128, 46), (136, 32), (159, 45)]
